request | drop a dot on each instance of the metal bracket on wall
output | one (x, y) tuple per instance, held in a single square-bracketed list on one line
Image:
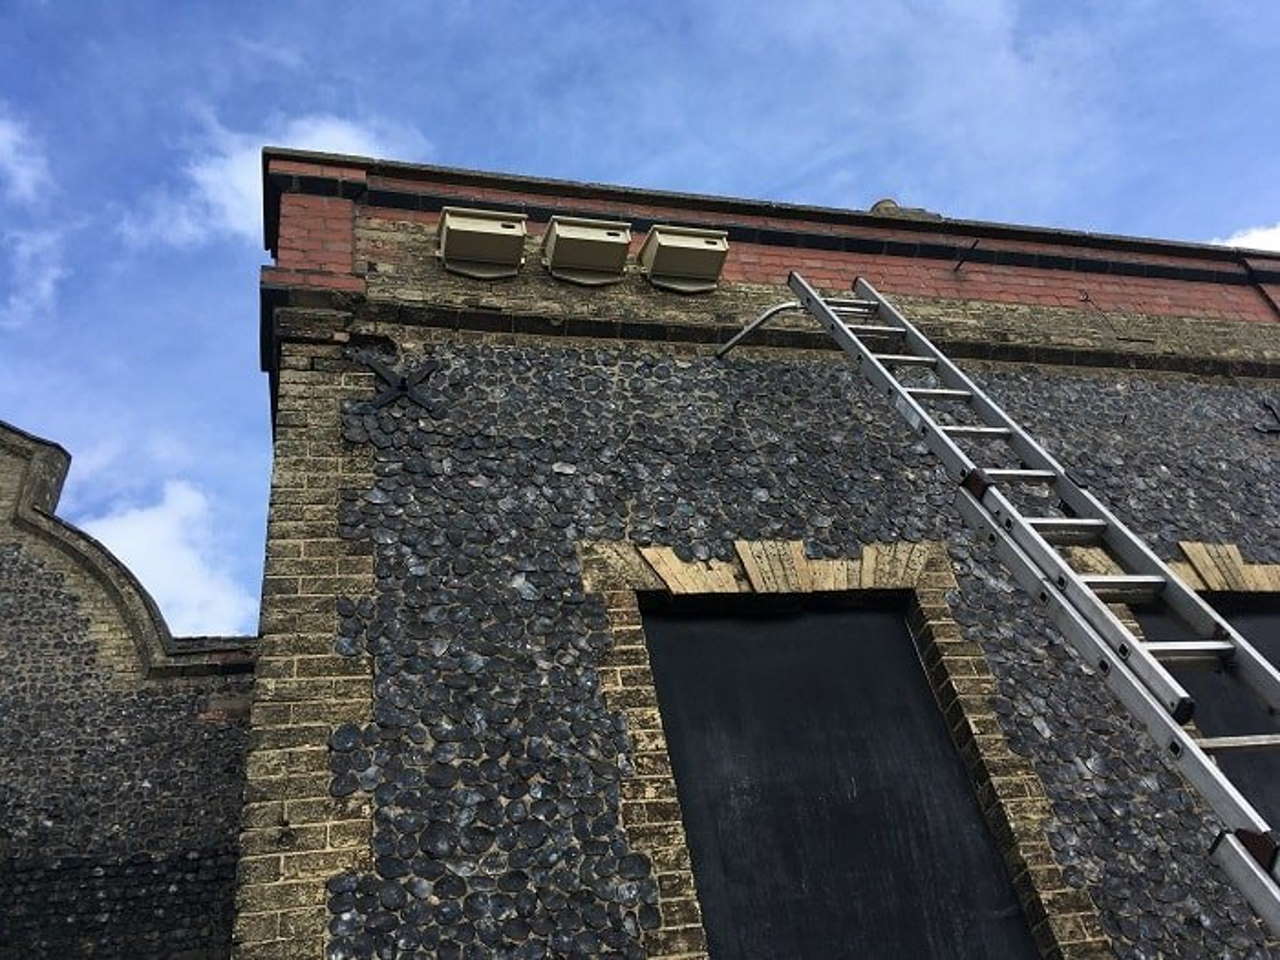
[(397, 385), (964, 255)]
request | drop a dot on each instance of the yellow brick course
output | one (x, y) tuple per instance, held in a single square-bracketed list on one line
[(295, 834)]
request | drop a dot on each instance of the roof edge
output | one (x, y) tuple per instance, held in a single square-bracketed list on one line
[(728, 204)]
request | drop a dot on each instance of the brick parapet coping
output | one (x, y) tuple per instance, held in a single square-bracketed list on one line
[(295, 835), (1063, 920), (311, 201), (416, 187)]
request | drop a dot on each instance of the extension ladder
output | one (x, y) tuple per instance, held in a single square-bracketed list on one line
[(1134, 668)]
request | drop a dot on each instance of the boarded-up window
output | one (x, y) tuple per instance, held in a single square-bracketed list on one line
[(827, 811), (1225, 706)]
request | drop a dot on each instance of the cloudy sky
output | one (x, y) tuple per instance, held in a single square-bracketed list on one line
[(130, 231)]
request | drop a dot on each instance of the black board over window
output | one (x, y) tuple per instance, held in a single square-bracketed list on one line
[(1224, 704), (827, 811)]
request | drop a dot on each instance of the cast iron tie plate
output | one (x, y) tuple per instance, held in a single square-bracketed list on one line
[(399, 385)]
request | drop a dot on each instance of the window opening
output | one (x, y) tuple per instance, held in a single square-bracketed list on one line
[(827, 811)]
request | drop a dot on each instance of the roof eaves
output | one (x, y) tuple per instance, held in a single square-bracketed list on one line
[(725, 204)]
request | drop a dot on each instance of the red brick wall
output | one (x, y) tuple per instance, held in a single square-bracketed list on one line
[(316, 243), (1001, 284), (316, 233)]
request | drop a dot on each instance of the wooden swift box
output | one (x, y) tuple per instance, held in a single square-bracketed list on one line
[(484, 244)]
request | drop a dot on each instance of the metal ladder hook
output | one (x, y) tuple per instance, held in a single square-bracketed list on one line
[(758, 322)]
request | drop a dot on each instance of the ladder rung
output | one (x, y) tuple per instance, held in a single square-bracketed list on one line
[(1061, 531), (1131, 668), (971, 431), (852, 303), (938, 393), (905, 359), (873, 330), (1212, 651), (1257, 741), (1123, 587), (1021, 476)]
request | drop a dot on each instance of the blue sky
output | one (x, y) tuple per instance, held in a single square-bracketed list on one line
[(129, 214)]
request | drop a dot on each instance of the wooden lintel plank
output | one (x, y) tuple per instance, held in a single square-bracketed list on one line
[(1228, 559), (1202, 561), (887, 564), (1185, 572), (764, 555), (758, 574), (827, 574), (795, 565), (720, 576), (916, 563), (870, 558), (669, 567), (1255, 577), (770, 554), (1269, 575)]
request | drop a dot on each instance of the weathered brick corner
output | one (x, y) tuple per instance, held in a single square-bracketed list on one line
[(296, 834)]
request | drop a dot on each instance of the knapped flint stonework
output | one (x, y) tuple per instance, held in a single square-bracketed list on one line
[(121, 747), (120, 808), (494, 764)]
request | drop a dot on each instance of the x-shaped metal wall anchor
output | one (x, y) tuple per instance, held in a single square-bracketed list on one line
[(397, 385), (1275, 415)]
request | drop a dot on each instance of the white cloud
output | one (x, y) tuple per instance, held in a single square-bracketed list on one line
[(970, 107), (222, 192), (102, 454), (35, 270), (1254, 238), (35, 254), (170, 546), (274, 54), (24, 169)]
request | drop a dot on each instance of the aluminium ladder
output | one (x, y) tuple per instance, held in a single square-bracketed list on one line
[(1134, 668)]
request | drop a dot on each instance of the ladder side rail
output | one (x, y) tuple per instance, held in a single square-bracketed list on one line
[(1254, 669), (1256, 882), (1133, 552), (1246, 850), (1155, 674), (1179, 746), (1023, 444), (1251, 879), (1257, 672), (955, 460), (1054, 566)]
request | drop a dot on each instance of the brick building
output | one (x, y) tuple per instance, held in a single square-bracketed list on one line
[(577, 640)]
